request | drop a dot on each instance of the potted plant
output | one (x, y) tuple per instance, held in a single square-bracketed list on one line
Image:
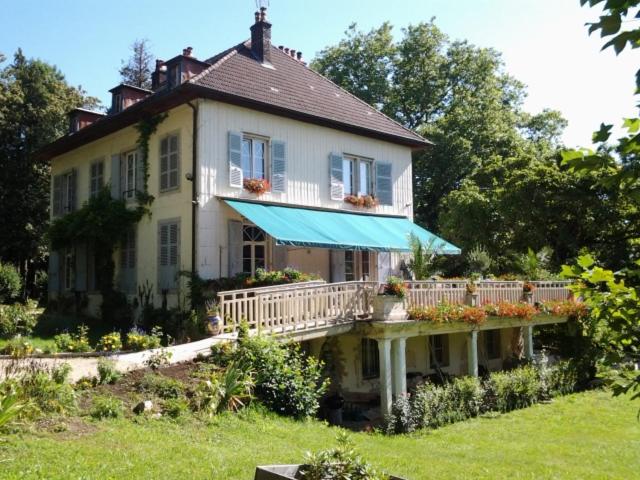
[(527, 291), (388, 305), (366, 201), (214, 322), (256, 185), (472, 292)]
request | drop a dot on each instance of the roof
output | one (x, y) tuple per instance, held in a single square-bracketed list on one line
[(286, 88), (132, 87)]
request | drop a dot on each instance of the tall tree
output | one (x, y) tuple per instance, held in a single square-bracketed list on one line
[(137, 69), (34, 101)]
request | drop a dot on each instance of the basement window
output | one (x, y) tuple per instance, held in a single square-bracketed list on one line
[(370, 359)]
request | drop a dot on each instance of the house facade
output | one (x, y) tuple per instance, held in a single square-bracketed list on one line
[(338, 204)]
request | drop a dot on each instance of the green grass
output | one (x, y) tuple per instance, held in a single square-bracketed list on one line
[(45, 344), (588, 435)]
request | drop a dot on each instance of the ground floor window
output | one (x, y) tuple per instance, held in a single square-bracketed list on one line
[(68, 270), (492, 343), (357, 265), (254, 249), (439, 351), (370, 358)]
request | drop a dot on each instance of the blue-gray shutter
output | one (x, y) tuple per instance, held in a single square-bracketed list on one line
[(140, 180), (336, 176), (73, 191), (235, 159), (278, 166), (338, 273), (280, 257), (168, 254), (235, 247), (57, 196), (384, 183), (81, 267), (115, 177), (54, 272)]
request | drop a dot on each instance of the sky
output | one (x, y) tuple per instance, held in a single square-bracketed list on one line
[(544, 43)]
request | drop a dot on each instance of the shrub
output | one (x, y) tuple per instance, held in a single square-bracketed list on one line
[(515, 389), (49, 391), (105, 406), (222, 353), (287, 381), (18, 347), (10, 283), (506, 309), (60, 374), (229, 389), (107, 373), (562, 378), (163, 387), (16, 319), (110, 342), (138, 340), (446, 312), (175, 407), (158, 359), (77, 343), (11, 406)]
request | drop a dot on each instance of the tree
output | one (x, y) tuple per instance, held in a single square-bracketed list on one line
[(137, 70), (34, 101)]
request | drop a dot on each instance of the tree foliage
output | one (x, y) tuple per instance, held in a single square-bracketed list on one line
[(34, 101), (137, 69)]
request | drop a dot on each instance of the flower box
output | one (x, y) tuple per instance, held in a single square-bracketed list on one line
[(286, 472), (388, 308), (256, 185)]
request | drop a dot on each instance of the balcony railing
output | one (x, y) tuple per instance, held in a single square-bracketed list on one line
[(309, 305)]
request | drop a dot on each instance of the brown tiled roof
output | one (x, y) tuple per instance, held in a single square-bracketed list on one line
[(291, 85)]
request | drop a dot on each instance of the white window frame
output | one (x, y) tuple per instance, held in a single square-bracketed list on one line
[(361, 265), (96, 179), (252, 139), (352, 174), (118, 103), (167, 157), (252, 244), (129, 184)]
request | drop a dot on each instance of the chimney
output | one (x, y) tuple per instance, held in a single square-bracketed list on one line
[(261, 37), (187, 51), (299, 56)]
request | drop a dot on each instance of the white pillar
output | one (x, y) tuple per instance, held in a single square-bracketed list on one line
[(399, 366), (384, 350), (528, 342), (472, 353)]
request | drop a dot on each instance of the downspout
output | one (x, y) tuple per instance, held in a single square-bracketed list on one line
[(194, 186)]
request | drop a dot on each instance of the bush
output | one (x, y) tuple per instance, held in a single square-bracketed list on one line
[(229, 389), (16, 319), (18, 347), (163, 387), (137, 340), (518, 388), (106, 407), (60, 374), (287, 381), (11, 406), (175, 407), (158, 359), (10, 283), (77, 343), (48, 391), (107, 373), (109, 343)]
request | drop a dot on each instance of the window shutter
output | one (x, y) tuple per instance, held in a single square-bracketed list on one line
[(54, 272), (57, 195), (115, 177), (81, 267), (384, 183), (164, 163), (337, 266), (280, 257), (235, 160), (71, 206), (168, 255), (140, 180), (278, 166), (336, 178), (235, 247)]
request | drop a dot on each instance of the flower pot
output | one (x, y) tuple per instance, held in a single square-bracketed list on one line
[(284, 472), (388, 308), (213, 322)]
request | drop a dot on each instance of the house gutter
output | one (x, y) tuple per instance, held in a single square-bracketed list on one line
[(194, 186)]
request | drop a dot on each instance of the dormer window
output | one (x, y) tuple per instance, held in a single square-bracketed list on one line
[(116, 105), (175, 76)]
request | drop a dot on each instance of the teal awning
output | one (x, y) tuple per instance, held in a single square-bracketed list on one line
[(340, 230)]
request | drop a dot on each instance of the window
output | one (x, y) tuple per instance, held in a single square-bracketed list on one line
[(492, 343), (175, 76), (253, 157), (64, 193), (357, 176), (349, 265), (168, 253), (254, 247), (128, 263), (439, 351), (169, 162), (117, 103), (365, 264), (96, 181), (129, 177), (370, 358)]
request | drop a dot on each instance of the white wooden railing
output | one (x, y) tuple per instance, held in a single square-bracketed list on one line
[(308, 305), (300, 307)]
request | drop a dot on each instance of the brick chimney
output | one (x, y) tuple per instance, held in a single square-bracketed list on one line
[(261, 37)]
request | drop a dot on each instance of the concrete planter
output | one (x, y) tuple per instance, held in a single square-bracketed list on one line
[(285, 472), (388, 308)]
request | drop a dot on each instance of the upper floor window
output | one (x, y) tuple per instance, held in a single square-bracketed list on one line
[(254, 249), (130, 172), (96, 177), (117, 103), (356, 174), (169, 162), (253, 157), (64, 193)]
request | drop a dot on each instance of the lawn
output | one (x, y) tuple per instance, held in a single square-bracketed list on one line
[(588, 435)]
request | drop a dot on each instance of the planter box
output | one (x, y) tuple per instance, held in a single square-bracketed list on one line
[(285, 472), (388, 308)]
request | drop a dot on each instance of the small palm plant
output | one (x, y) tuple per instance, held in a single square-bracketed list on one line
[(423, 255), (10, 407), (230, 390)]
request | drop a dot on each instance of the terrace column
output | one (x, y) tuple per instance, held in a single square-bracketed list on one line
[(528, 342), (398, 346), (472, 353), (384, 350)]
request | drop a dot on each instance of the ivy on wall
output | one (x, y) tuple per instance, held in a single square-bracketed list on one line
[(146, 128)]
